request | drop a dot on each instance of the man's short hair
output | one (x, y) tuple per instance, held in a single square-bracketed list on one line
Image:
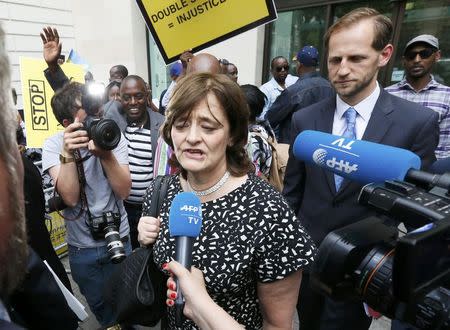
[(276, 58), (64, 103), (133, 77), (122, 69), (382, 25)]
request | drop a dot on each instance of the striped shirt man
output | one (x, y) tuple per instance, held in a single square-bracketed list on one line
[(140, 160), (436, 97)]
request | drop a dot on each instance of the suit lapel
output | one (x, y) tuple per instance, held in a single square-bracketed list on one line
[(379, 122), (377, 126), (324, 123), (153, 130)]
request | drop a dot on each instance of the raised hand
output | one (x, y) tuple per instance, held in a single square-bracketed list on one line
[(52, 46), (185, 58)]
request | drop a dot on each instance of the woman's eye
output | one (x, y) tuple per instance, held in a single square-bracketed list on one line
[(181, 125)]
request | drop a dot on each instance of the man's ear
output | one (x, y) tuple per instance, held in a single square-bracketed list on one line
[(437, 56), (385, 55)]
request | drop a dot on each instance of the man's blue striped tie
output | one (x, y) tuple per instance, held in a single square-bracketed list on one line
[(350, 132)]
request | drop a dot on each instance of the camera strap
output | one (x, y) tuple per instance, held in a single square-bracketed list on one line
[(82, 180)]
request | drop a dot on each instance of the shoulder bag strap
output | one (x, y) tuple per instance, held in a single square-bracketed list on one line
[(160, 188)]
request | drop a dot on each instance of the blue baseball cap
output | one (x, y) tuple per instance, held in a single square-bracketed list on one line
[(176, 69), (308, 56)]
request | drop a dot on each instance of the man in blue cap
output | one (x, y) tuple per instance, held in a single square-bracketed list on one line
[(310, 88), (176, 69)]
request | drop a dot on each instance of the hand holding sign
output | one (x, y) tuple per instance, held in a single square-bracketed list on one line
[(178, 25)]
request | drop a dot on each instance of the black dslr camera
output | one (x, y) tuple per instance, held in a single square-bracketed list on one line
[(104, 132), (107, 227), (405, 278)]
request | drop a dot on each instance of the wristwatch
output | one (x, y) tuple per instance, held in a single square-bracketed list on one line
[(64, 160)]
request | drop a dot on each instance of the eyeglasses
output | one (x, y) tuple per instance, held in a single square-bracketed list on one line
[(280, 68), (424, 53)]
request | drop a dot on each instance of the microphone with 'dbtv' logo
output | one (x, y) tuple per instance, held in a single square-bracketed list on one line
[(185, 223), (357, 160)]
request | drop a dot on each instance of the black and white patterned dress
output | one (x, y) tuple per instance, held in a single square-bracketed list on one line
[(249, 235)]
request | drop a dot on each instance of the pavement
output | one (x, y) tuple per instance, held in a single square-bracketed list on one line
[(91, 323)]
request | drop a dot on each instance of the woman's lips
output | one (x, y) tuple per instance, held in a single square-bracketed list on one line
[(193, 153)]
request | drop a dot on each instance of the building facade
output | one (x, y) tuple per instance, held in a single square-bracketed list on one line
[(106, 33)]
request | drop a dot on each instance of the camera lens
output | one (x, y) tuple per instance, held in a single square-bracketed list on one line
[(375, 279), (106, 134), (114, 244)]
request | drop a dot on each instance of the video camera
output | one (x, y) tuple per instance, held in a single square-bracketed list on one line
[(105, 132), (406, 278)]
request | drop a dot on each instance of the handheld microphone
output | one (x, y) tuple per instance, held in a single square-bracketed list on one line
[(364, 161), (185, 223), (356, 160)]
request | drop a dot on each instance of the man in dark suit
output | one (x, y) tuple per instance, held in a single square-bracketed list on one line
[(358, 46)]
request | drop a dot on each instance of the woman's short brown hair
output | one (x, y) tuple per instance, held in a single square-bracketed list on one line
[(193, 89)]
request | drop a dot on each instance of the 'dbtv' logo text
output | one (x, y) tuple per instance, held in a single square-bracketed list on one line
[(320, 155)]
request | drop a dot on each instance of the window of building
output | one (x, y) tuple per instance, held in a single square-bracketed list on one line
[(295, 29), (302, 24), (159, 73)]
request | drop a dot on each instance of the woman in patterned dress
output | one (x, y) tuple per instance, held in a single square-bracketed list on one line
[(251, 248)]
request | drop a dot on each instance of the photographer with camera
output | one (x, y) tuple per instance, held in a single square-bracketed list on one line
[(88, 162)]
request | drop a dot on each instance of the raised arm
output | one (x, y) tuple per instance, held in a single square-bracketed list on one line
[(51, 51)]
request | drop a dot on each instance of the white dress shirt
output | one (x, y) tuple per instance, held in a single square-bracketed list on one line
[(364, 111), (272, 90)]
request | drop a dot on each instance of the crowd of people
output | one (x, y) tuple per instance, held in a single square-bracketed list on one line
[(213, 137)]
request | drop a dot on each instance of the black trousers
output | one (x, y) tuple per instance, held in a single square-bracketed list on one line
[(317, 312)]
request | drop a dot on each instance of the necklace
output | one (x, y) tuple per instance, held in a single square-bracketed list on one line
[(212, 189)]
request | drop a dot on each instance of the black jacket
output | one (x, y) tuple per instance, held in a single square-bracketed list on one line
[(310, 190), (310, 88), (38, 303)]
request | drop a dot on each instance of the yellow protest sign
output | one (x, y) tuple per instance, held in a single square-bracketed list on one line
[(37, 94), (178, 25), (57, 231)]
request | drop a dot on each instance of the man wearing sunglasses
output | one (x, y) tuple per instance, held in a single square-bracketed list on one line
[(419, 85), (281, 79), (310, 88)]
